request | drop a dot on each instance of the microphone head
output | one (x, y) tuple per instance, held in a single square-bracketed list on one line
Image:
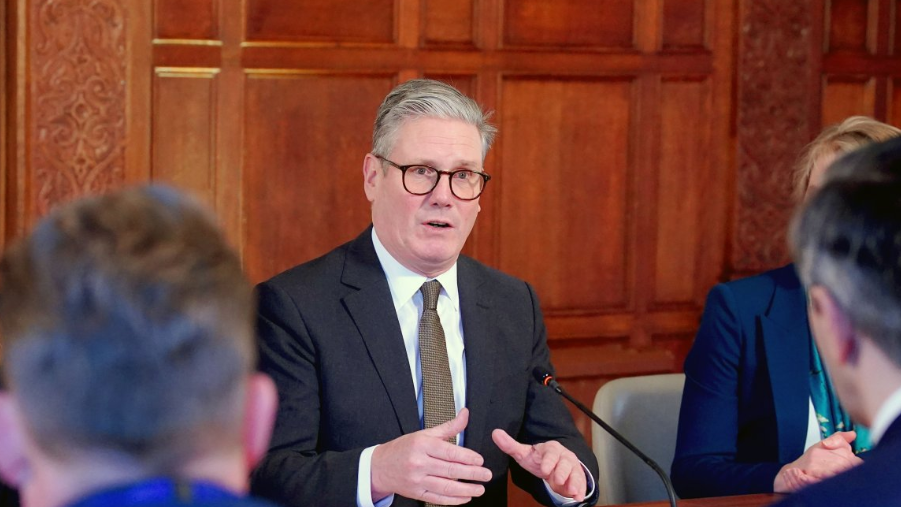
[(543, 377)]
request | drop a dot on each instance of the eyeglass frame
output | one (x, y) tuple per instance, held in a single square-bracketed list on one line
[(450, 174)]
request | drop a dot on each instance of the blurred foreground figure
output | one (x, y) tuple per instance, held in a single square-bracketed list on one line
[(128, 356), (847, 244)]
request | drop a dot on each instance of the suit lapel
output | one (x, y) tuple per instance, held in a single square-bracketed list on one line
[(786, 338), (480, 350), (372, 311)]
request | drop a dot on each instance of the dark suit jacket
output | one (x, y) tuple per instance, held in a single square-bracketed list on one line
[(745, 407), (875, 483), (330, 339), (8, 497)]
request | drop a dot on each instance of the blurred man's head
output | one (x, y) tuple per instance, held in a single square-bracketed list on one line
[(846, 241), (128, 351)]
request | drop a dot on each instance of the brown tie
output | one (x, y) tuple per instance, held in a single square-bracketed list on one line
[(437, 386)]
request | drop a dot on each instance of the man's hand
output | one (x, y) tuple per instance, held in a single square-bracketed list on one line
[(824, 459), (424, 466), (550, 461)]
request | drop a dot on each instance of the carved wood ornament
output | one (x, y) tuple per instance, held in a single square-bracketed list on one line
[(773, 126), (77, 98)]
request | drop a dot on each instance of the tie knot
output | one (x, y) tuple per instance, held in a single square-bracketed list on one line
[(430, 292)]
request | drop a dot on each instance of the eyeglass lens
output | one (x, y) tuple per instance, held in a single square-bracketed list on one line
[(423, 179)]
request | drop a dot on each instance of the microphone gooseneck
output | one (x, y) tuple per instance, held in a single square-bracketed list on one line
[(546, 379)]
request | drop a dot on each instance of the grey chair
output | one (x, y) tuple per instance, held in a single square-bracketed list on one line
[(645, 410)]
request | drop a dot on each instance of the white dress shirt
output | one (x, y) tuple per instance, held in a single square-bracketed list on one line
[(885, 416)]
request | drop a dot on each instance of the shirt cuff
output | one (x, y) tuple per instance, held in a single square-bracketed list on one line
[(565, 501), (364, 482)]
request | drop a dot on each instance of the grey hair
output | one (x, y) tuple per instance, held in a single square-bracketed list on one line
[(426, 98), (847, 238)]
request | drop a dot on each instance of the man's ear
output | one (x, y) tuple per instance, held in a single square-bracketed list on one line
[(14, 466), (372, 172), (832, 327), (259, 417)]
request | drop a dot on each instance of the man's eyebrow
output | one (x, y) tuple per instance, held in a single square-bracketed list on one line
[(463, 164)]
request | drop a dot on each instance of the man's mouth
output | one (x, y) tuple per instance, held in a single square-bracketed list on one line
[(441, 225)]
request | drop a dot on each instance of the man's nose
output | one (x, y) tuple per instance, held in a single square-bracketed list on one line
[(442, 192)]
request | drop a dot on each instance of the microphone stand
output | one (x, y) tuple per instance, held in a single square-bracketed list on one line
[(548, 380)]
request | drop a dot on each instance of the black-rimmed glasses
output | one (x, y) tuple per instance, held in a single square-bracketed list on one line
[(421, 179)]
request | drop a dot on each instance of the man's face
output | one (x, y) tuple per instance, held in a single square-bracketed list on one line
[(830, 328), (425, 233)]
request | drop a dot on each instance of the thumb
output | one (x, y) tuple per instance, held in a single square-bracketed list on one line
[(451, 428), (509, 445), (839, 439)]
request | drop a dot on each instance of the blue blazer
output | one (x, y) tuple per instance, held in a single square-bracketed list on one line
[(745, 407), (875, 483)]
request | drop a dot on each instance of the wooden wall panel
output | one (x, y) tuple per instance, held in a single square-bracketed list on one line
[(851, 25), (564, 173), (843, 97), (861, 60), (305, 139), (894, 115), (683, 169), (184, 140), (684, 24), (448, 22), (370, 21), (178, 19), (569, 24), (895, 7)]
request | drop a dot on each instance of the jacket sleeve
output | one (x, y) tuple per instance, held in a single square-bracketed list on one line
[(547, 418), (705, 461), (294, 472)]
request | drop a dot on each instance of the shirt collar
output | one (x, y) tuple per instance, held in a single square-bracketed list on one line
[(405, 283), (887, 413)]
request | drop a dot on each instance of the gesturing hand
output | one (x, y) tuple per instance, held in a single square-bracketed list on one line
[(824, 459), (549, 461), (424, 466)]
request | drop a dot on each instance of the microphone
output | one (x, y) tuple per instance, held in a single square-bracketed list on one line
[(546, 379)]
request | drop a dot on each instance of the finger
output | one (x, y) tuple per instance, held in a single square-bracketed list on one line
[(457, 471), (510, 446), (577, 484), (451, 428), (839, 439), (550, 457), (452, 489), (796, 479), (802, 480), (561, 473), (445, 452)]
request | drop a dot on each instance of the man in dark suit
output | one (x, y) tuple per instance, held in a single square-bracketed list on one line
[(374, 408), (128, 353), (847, 244)]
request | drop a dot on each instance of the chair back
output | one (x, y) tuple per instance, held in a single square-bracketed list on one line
[(645, 410)]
